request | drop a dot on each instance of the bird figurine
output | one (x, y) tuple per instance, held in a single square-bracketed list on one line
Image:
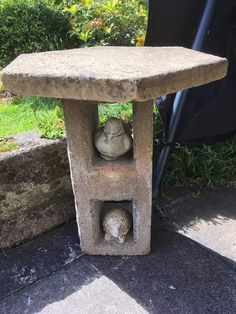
[(117, 222), (112, 141)]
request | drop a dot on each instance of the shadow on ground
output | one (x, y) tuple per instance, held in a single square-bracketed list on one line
[(187, 207)]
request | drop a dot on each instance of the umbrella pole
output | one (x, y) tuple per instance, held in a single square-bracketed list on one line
[(179, 102)]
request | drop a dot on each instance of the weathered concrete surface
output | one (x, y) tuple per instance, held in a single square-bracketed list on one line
[(50, 275), (96, 181), (111, 73), (208, 218), (35, 188), (106, 297)]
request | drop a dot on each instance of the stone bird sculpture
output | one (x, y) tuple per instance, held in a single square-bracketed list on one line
[(112, 141)]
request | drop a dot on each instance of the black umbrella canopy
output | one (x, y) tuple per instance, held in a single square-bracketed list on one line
[(210, 111)]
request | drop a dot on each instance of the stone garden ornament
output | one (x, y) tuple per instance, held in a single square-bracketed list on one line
[(111, 75), (112, 141), (117, 222)]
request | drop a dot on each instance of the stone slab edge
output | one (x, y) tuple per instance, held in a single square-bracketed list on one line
[(35, 189)]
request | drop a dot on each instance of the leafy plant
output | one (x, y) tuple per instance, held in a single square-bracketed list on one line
[(40, 25), (50, 126), (108, 22), (49, 117), (31, 26), (122, 111), (205, 166)]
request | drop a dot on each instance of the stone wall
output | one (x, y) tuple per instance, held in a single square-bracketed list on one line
[(35, 189)]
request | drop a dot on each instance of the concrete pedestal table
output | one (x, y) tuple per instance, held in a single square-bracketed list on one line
[(82, 78)]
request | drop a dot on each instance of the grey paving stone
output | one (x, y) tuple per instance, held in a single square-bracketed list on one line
[(54, 289), (179, 276), (38, 258)]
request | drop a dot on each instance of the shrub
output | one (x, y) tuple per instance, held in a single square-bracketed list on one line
[(123, 111), (108, 22), (40, 25), (31, 26)]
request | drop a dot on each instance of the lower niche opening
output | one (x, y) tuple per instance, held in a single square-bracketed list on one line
[(104, 213)]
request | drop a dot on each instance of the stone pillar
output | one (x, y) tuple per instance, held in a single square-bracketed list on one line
[(98, 183)]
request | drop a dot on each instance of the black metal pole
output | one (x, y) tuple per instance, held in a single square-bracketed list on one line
[(179, 101)]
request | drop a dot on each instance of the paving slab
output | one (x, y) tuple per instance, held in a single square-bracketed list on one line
[(36, 259), (179, 276), (53, 290)]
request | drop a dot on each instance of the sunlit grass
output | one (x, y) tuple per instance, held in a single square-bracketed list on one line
[(16, 119)]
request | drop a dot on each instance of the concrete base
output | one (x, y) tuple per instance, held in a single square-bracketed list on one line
[(97, 182)]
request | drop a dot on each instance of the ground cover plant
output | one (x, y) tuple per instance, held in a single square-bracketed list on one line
[(122, 111), (212, 165), (31, 113)]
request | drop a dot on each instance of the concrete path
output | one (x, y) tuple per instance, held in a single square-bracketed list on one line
[(51, 275)]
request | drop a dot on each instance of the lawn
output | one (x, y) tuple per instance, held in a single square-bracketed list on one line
[(19, 115), (15, 119)]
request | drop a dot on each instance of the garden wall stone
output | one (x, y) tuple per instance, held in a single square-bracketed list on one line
[(35, 188)]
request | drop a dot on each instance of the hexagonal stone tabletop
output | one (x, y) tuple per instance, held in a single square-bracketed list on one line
[(111, 73)]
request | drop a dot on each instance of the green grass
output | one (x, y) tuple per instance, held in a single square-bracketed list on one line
[(15, 119), (205, 166), (45, 115), (30, 113)]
